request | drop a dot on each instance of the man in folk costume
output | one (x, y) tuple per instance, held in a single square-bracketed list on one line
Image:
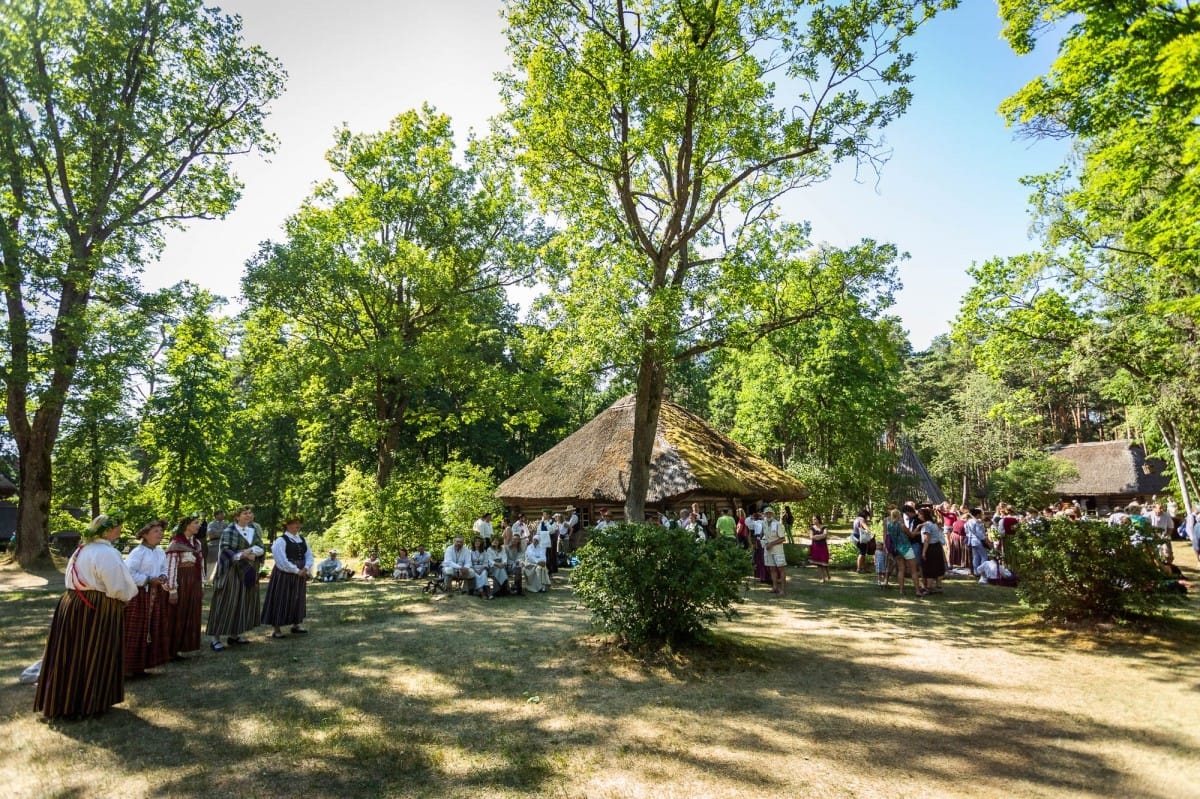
[(235, 606)]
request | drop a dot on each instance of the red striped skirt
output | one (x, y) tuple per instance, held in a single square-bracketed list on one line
[(146, 641), (83, 665)]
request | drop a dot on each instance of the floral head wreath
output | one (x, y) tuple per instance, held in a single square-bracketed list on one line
[(185, 521), (105, 522)]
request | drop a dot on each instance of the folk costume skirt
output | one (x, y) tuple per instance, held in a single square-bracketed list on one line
[(287, 599), (235, 604), (146, 640), (83, 667), (183, 618)]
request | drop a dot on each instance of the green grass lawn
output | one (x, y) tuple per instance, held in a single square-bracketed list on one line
[(834, 690)]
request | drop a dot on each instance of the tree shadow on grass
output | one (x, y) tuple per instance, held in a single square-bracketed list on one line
[(396, 695)]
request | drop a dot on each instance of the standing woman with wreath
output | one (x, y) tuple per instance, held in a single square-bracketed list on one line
[(287, 590), (83, 667), (185, 587), (235, 604), (146, 644)]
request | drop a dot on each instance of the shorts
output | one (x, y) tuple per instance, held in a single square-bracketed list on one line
[(908, 554), (880, 561), (862, 547), (777, 559)]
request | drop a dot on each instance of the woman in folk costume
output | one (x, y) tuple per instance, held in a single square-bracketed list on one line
[(287, 590), (185, 587), (235, 606), (83, 668), (146, 644), (536, 574)]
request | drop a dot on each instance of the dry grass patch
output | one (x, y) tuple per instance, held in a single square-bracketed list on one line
[(397, 695)]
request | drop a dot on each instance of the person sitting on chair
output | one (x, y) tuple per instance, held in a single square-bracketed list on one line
[(331, 570), (456, 565), (498, 565), (537, 575), (514, 554)]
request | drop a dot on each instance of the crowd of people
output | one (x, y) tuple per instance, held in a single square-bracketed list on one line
[(120, 617)]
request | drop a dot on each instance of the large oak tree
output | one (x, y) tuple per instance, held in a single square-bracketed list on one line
[(663, 132), (117, 117)]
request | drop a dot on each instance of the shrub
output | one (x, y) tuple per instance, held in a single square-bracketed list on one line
[(844, 556), (796, 554), (649, 585), (1085, 570)]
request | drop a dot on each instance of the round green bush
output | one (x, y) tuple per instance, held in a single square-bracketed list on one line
[(650, 585), (1085, 570)]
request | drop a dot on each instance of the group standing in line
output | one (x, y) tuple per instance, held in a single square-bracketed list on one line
[(120, 617)]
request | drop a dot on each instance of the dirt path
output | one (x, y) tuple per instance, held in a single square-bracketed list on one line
[(14, 578)]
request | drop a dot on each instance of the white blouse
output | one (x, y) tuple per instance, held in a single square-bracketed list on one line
[(146, 563), (98, 567), (279, 552)]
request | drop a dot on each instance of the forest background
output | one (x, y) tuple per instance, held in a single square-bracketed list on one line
[(379, 380)]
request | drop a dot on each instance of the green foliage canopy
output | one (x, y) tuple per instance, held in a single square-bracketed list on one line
[(663, 133), (117, 118)]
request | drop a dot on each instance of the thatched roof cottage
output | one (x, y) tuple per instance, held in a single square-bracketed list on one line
[(691, 462), (1111, 474)]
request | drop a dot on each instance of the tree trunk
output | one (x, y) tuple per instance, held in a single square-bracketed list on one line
[(1176, 445), (651, 380), (33, 506)]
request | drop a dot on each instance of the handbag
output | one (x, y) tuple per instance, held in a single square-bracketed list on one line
[(871, 546)]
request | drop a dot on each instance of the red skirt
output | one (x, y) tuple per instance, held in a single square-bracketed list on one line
[(183, 618), (146, 640)]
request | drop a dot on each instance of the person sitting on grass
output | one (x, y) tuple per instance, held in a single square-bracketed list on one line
[(371, 566), (403, 568), (331, 570)]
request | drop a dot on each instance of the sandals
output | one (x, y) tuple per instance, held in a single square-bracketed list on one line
[(217, 646), (239, 640), (278, 635), (299, 630)]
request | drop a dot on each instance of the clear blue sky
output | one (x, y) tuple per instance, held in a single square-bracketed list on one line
[(949, 196)]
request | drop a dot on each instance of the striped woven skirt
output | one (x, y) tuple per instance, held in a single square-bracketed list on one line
[(183, 618), (235, 606), (146, 644), (287, 599), (83, 670)]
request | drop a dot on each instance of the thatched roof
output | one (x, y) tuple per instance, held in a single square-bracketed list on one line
[(690, 458), (1110, 469)]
